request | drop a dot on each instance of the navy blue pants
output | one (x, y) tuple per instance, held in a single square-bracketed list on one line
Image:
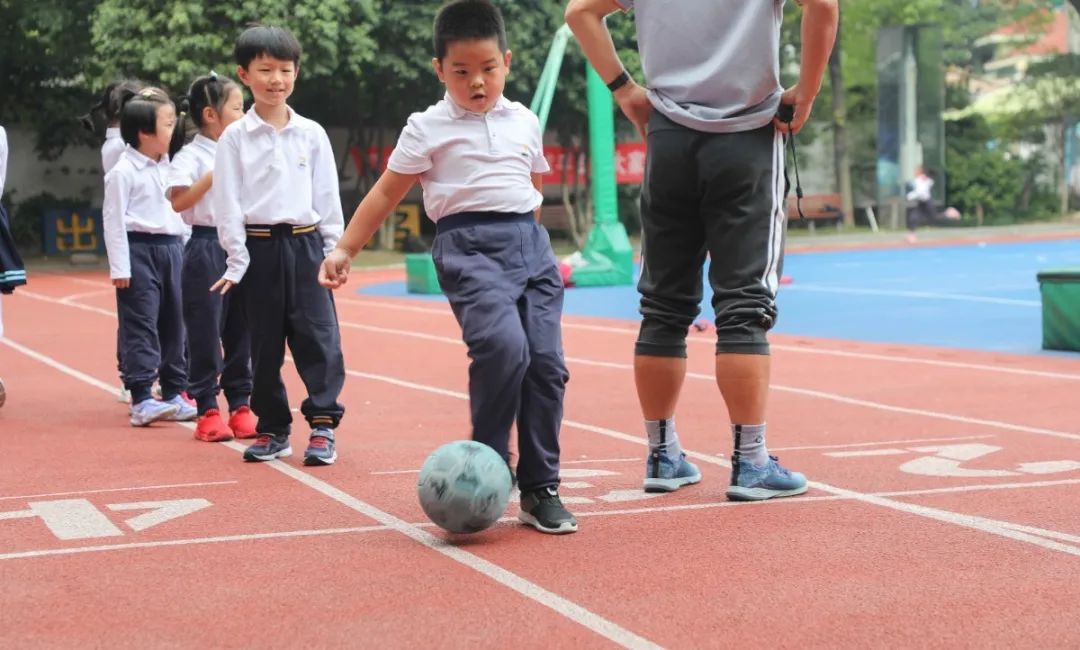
[(286, 305), (152, 317), (503, 283), (214, 323)]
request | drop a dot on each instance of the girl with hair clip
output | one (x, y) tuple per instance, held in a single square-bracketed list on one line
[(214, 322), (143, 236)]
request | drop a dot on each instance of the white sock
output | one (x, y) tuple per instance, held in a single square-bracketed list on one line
[(750, 443), (662, 437)]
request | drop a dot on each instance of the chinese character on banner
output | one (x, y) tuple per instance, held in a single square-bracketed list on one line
[(630, 163), (70, 231), (559, 159)]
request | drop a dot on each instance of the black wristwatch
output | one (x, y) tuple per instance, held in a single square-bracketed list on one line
[(619, 82)]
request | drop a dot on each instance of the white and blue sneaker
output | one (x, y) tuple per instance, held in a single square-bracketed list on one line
[(666, 474), (321, 448), (752, 483), (151, 410), (185, 412), (268, 447)]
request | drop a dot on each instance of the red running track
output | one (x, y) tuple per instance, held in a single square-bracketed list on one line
[(943, 509)]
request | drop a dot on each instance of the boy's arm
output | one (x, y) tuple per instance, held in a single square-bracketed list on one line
[(388, 192), (377, 205), (325, 195), (586, 19), (117, 188), (228, 215), (819, 23)]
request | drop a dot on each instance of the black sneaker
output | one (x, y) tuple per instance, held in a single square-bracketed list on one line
[(268, 447), (320, 449), (543, 510)]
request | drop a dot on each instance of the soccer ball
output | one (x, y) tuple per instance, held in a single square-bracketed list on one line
[(464, 486)]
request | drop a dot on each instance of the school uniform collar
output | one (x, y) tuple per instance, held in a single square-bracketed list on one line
[(253, 122), (141, 160), (457, 112), (204, 142)]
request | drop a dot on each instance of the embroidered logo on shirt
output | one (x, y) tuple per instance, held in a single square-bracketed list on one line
[(303, 161)]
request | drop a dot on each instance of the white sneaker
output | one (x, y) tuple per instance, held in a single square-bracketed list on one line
[(184, 412), (151, 410), (124, 396)]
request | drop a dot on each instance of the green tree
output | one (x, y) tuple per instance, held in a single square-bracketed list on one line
[(1050, 96), (44, 48), (170, 42)]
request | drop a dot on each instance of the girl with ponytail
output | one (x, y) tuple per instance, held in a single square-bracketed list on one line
[(215, 323)]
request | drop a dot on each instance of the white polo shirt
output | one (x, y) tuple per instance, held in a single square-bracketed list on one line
[(473, 162), (265, 176), (135, 202), (189, 165), (112, 148)]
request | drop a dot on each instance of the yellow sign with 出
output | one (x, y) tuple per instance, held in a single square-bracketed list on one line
[(72, 231)]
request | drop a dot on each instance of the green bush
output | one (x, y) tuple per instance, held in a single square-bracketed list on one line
[(27, 219), (982, 173)]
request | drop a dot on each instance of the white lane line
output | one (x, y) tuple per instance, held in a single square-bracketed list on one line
[(866, 356), (835, 397), (976, 523), (1042, 532), (896, 293), (74, 550), (75, 297), (867, 452), (563, 606), (878, 444), (981, 524), (122, 489), (75, 305)]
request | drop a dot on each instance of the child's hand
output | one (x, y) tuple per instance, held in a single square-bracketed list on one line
[(334, 271), (121, 283), (222, 286)]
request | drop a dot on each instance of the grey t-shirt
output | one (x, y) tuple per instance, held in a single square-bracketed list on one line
[(711, 65)]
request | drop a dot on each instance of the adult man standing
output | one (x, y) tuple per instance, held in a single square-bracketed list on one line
[(714, 184)]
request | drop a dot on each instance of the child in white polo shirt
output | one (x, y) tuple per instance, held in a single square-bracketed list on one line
[(479, 158), (278, 213), (143, 239)]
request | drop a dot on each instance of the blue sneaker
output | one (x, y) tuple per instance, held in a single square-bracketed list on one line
[(320, 449), (664, 474), (185, 412), (752, 483), (268, 447), (151, 410)]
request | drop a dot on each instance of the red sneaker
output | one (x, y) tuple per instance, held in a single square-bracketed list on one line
[(242, 422), (211, 428)]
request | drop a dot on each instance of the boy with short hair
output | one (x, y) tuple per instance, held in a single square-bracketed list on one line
[(479, 158), (278, 212)]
